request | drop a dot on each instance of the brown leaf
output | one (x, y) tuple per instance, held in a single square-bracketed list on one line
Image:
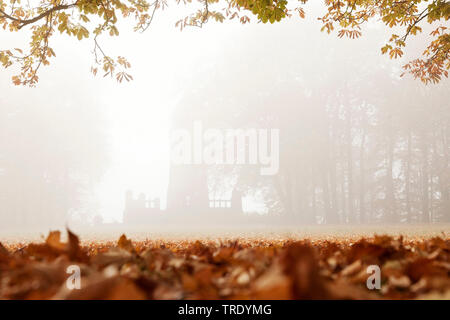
[(223, 255), (400, 282), (125, 289), (75, 252), (273, 285), (114, 256), (424, 267), (300, 264), (54, 241), (125, 244), (355, 267), (4, 254)]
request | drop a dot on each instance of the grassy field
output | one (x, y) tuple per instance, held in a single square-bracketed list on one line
[(112, 232)]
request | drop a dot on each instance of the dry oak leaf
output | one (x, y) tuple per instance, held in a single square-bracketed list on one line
[(223, 255), (300, 265), (103, 288), (272, 285), (4, 254), (352, 269), (125, 244), (115, 256)]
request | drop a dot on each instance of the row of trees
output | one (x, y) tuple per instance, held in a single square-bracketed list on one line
[(358, 144), (365, 161), (347, 159), (51, 155)]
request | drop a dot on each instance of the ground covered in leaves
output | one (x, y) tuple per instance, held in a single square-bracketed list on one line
[(227, 269)]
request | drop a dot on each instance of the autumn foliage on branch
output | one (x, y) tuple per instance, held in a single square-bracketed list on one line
[(73, 18)]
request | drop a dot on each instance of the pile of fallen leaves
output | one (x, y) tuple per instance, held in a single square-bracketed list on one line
[(227, 269)]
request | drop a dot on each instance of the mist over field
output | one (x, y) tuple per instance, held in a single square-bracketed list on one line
[(358, 144), (246, 150)]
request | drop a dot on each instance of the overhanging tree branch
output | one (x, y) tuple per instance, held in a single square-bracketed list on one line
[(23, 23)]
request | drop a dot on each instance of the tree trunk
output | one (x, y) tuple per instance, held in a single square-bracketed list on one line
[(362, 191), (408, 178), (390, 189), (425, 181), (349, 165)]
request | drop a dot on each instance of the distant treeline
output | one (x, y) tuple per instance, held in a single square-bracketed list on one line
[(372, 150)]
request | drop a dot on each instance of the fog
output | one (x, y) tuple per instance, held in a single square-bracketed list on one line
[(357, 144)]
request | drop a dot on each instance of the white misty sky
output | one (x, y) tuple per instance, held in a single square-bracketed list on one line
[(165, 63)]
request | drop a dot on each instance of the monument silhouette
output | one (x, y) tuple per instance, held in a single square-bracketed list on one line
[(187, 199)]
